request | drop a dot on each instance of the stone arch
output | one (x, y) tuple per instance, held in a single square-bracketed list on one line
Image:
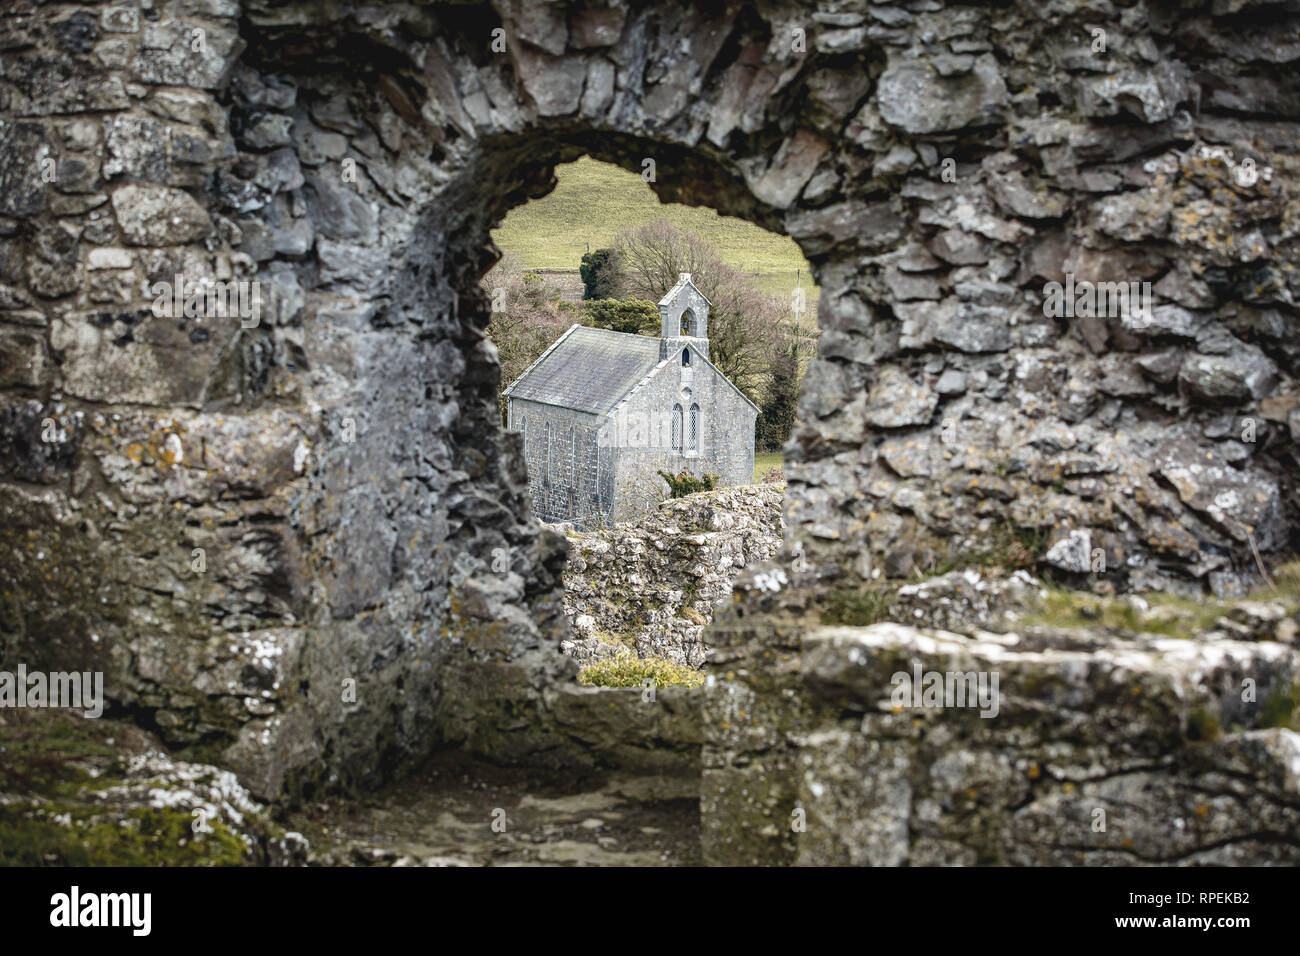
[(345, 455), (688, 322)]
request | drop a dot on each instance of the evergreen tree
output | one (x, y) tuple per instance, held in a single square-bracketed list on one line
[(599, 274), (636, 316), (777, 413)]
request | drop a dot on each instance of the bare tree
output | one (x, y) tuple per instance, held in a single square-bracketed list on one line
[(744, 323), (649, 258), (525, 317)]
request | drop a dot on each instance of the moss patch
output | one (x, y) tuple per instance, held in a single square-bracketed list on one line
[(1008, 547), (628, 671), (54, 835), (1202, 726), (1281, 709), (48, 752), (858, 608), (56, 771), (1286, 585), (1168, 614)]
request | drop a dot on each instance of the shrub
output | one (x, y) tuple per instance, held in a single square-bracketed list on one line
[(635, 316), (628, 671), (776, 419), (599, 271), (684, 483), (535, 290)]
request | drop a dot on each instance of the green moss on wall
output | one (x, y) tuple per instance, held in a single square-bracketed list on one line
[(55, 835), (628, 671)]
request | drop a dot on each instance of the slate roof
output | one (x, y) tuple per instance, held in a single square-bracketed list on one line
[(588, 369)]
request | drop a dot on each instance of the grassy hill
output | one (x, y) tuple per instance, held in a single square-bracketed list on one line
[(595, 200)]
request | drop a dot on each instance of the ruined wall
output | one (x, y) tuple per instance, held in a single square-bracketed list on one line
[(273, 538), (1010, 147), (651, 586), (232, 521), (1166, 740)]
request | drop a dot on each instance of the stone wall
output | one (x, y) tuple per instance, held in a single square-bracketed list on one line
[(1002, 152), (1097, 745), (234, 519), (953, 417), (570, 475), (651, 586), (277, 539), (1142, 775)]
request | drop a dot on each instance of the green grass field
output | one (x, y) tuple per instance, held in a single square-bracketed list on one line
[(595, 200), (765, 460)]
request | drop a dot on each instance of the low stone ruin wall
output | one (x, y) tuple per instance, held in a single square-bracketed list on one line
[(650, 587), (1091, 746)]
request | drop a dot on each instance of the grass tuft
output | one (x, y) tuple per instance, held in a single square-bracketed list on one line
[(628, 671)]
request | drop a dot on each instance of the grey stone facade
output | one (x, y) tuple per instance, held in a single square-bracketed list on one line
[(599, 462), (684, 318), (570, 474)]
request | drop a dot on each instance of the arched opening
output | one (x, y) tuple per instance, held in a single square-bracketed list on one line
[(565, 270)]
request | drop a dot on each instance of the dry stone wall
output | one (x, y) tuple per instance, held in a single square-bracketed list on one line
[(1011, 151), (1065, 746), (235, 520), (650, 587)]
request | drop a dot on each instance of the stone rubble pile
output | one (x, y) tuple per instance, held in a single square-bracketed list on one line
[(650, 587)]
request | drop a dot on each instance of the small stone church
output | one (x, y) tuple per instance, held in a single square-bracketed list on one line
[(602, 412)]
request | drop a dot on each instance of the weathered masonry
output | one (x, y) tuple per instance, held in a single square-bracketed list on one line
[(602, 413), (337, 470)]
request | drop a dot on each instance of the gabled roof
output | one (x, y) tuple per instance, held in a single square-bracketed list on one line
[(672, 360), (587, 369), (683, 280)]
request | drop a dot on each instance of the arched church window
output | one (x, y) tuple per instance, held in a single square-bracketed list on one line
[(677, 428), (693, 435), (688, 322), (686, 356)]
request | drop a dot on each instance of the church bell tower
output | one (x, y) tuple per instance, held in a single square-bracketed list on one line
[(684, 319)]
